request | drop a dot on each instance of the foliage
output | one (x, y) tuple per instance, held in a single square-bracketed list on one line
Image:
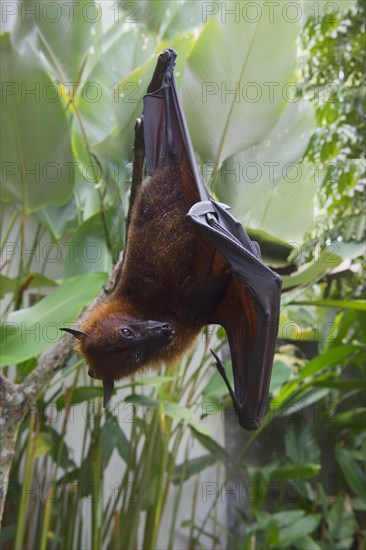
[(75, 208)]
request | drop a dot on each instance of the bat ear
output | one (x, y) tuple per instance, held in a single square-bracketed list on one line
[(76, 333), (108, 386)]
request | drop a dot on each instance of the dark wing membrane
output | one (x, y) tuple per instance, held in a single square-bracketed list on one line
[(249, 312), (167, 140)]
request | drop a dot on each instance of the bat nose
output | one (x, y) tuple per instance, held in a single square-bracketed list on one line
[(167, 331)]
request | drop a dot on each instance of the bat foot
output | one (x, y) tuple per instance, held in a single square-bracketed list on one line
[(139, 143), (164, 59), (164, 56)]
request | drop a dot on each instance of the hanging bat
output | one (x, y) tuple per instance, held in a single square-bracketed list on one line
[(187, 263)]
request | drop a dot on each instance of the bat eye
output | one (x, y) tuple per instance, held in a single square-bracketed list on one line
[(137, 358), (126, 333)]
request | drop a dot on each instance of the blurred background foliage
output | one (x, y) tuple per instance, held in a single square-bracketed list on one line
[(275, 109)]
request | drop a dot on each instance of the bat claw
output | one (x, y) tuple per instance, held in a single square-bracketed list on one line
[(108, 386), (139, 144), (164, 56)]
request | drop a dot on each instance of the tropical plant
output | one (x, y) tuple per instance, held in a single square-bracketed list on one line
[(73, 80)]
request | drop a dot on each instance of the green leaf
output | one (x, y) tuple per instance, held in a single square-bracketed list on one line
[(30, 331), (330, 382), (89, 252), (355, 477), (155, 381), (267, 180), (187, 17), (58, 448), (63, 37), (300, 442), (342, 525), (80, 394), (209, 444), (44, 443), (288, 517), (330, 358), (7, 285), (59, 219), (192, 467), (177, 411), (307, 543), (310, 273), (304, 399), (211, 109), (112, 437), (358, 504), (149, 496), (354, 419), (280, 374), (298, 529), (296, 471), (36, 151), (151, 15), (359, 305), (127, 51), (142, 400), (271, 533), (33, 280)]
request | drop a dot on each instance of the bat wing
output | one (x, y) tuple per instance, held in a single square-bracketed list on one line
[(249, 312), (166, 136)]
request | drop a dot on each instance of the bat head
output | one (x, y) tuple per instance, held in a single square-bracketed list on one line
[(117, 345)]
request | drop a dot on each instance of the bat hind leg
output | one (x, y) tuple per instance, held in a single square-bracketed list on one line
[(137, 167)]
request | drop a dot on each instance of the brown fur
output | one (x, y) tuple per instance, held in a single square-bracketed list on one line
[(169, 276)]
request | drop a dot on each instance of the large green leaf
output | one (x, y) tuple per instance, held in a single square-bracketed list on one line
[(287, 209), (192, 467), (229, 55), (112, 139), (300, 442), (354, 419), (280, 374), (333, 356), (296, 471), (342, 525), (89, 252), (35, 147), (354, 475), (65, 33), (188, 16), (359, 305), (33, 280), (266, 179), (152, 15), (58, 219), (298, 529), (210, 444), (111, 437), (311, 272), (100, 117), (78, 395), (58, 449), (30, 331), (143, 400)]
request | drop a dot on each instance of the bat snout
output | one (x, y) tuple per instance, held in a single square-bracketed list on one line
[(167, 331)]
